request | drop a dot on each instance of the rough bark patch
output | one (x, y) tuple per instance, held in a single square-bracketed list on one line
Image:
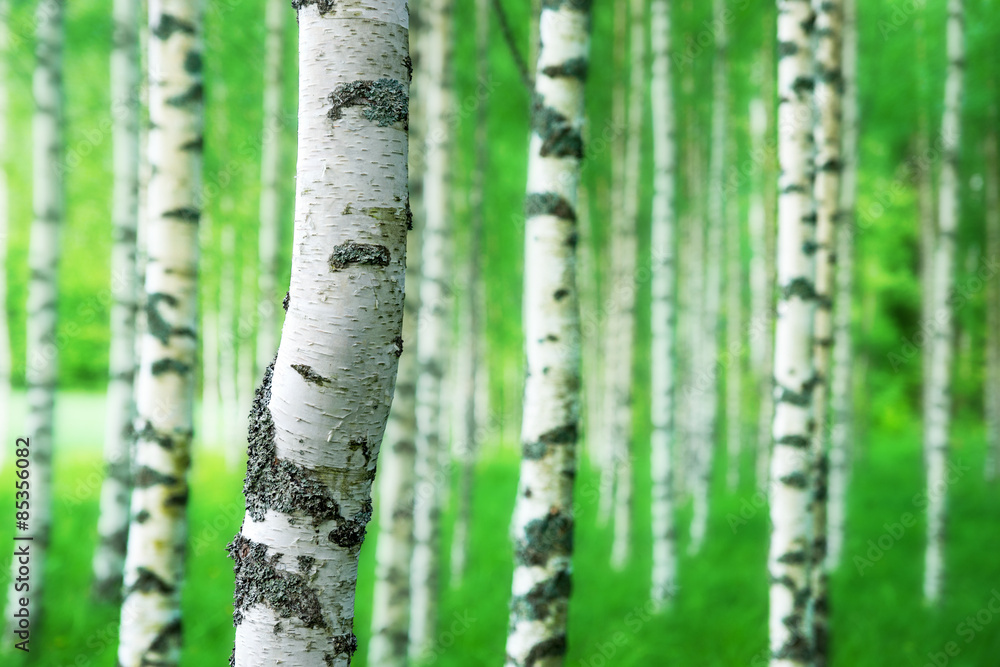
[(537, 604), (278, 484), (259, 581), (351, 532), (543, 538), (309, 375), (385, 101), (350, 253), (324, 6)]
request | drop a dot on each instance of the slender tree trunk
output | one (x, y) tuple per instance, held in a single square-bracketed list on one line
[(542, 524), (5, 358), (841, 375), (112, 526), (706, 376), (761, 286), (42, 366), (469, 368), (270, 158), (154, 565), (937, 420), (435, 299), (209, 306), (662, 356), (618, 280), (320, 412), (827, 138), (626, 295), (397, 477), (992, 384), (925, 209), (789, 555), (735, 336)]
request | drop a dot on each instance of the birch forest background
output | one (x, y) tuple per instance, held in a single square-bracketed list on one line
[(522, 332)]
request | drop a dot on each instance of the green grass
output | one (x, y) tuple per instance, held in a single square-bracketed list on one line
[(719, 618)]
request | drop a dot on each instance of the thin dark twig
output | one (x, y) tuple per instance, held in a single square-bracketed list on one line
[(508, 36)]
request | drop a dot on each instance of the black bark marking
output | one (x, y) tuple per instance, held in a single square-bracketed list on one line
[(365, 447), (142, 516), (575, 68), (259, 581), (192, 62), (349, 253), (576, 5), (560, 294), (398, 342), (548, 203), (162, 366), (324, 6), (544, 538), (156, 325), (309, 375), (343, 645), (796, 480), (146, 477), (559, 137), (797, 441), (536, 604), (287, 301), (277, 484), (553, 646), (170, 24), (799, 287), (351, 532), (168, 639), (561, 435), (385, 101), (150, 434), (194, 94), (148, 581), (305, 563)]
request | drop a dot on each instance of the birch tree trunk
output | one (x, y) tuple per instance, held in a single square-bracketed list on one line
[(841, 375), (229, 402), (790, 548), (928, 222), (616, 328), (706, 378), (154, 565), (210, 414), (435, 299), (662, 355), (112, 526), (626, 295), (761, 286), (5, 359), (827, 138), (992, 388), (542, 524), (320, 412), (42, 364), (469, 369), (397, 477), (269, 236), (937, 420)]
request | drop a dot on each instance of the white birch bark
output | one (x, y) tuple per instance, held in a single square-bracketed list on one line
[(992, 382), (112, 525), (542, 524), (938, 417), (5, 359), (626, 295), (435, 298), (706, 377), (841, 375), (320, 412), (664, 293), (789, 553), (613, 304), (826, 190), (759, 285), (42, 364), (269, 236), (154, 565)]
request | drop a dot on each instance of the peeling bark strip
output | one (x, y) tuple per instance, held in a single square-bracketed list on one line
[(41, 374), (542, 524), (789, 567), (937, 417), (318, 416), (154, 565), (385, 101)]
